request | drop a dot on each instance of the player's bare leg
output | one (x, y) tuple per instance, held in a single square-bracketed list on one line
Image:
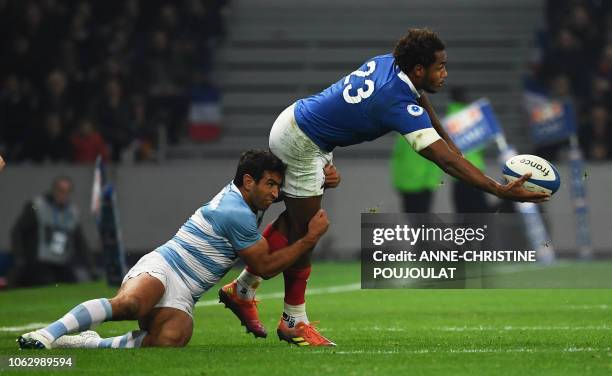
[(294, 326), (167, 327), (134, 300), (137, 297), (162, 327)]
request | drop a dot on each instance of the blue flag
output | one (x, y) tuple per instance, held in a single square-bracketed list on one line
[(473, 127), (550, 120)]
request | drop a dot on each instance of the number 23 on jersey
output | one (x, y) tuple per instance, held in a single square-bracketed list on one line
[(362, 92)]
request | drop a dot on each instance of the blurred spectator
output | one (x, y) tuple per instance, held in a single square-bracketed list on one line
[(577, 64), (20, 60), (559, 88), (145, 131), (596, 136), (167, 75), (112, 114), (56, 99), (602, 81), (15, 116), (589, 33), (51, 143), (58, 56), (566, 57), (415, 178), (87, 143), (47, 242)]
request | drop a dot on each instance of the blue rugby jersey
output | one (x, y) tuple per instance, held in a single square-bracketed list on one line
[(368, 103)]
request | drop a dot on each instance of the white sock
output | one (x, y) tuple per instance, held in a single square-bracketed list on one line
[(247, 285), (294, 314), (129, 340), (82, 317)]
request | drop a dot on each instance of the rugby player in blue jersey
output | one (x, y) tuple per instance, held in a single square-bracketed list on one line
[(386, 93), (161, 290)]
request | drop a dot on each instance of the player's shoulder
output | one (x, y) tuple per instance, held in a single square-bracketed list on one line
[(384, 65), (384, 59), (230, 207)]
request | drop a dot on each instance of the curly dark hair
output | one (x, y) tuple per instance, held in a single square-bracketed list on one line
[(254, 162), (419, 46)]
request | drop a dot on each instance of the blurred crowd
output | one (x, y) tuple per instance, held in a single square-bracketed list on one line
[(82, 78), (575, 61)]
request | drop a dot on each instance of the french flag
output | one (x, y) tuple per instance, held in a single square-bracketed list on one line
[(205, 114)]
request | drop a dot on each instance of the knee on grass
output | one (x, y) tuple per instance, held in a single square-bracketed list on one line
[(169, 338)]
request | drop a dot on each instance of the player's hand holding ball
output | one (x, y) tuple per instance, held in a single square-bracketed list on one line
[(530, 178)]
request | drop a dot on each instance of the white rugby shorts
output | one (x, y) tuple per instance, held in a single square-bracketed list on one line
[(305, 161), (177, 294)]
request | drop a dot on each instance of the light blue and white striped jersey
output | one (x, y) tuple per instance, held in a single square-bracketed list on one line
[(207, 245)]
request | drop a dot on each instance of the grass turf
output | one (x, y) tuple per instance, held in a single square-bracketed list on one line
[(418, 332)]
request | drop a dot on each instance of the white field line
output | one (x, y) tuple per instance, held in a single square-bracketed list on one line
[(521, 328), (23, 328), (467, 351), (309, 292), (506, 328), (589, 307)]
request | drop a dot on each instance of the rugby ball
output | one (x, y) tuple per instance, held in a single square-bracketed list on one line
[(544, 176)]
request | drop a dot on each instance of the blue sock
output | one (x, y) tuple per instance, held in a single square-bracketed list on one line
[(82, 317), (129, 340)]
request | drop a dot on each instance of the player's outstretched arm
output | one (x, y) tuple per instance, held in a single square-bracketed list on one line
[(426, 104), (1, 163), (460, 168), (267, 264)]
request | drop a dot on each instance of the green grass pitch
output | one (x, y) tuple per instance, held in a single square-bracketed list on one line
[(382, 332)]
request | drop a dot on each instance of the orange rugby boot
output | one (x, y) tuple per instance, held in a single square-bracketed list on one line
[(302, 334), (245, 310)]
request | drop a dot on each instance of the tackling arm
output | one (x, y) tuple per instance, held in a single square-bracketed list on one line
[(267, 264)]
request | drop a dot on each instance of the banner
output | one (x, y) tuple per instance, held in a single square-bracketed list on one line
[(550, 121), (104, 209), (96, 189), (110, 235), (473, 127)]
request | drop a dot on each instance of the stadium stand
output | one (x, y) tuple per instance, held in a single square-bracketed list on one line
[(574, 58), (278, 51), (122, 68)]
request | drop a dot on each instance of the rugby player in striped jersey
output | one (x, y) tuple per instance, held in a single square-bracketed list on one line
[(161, 290)]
